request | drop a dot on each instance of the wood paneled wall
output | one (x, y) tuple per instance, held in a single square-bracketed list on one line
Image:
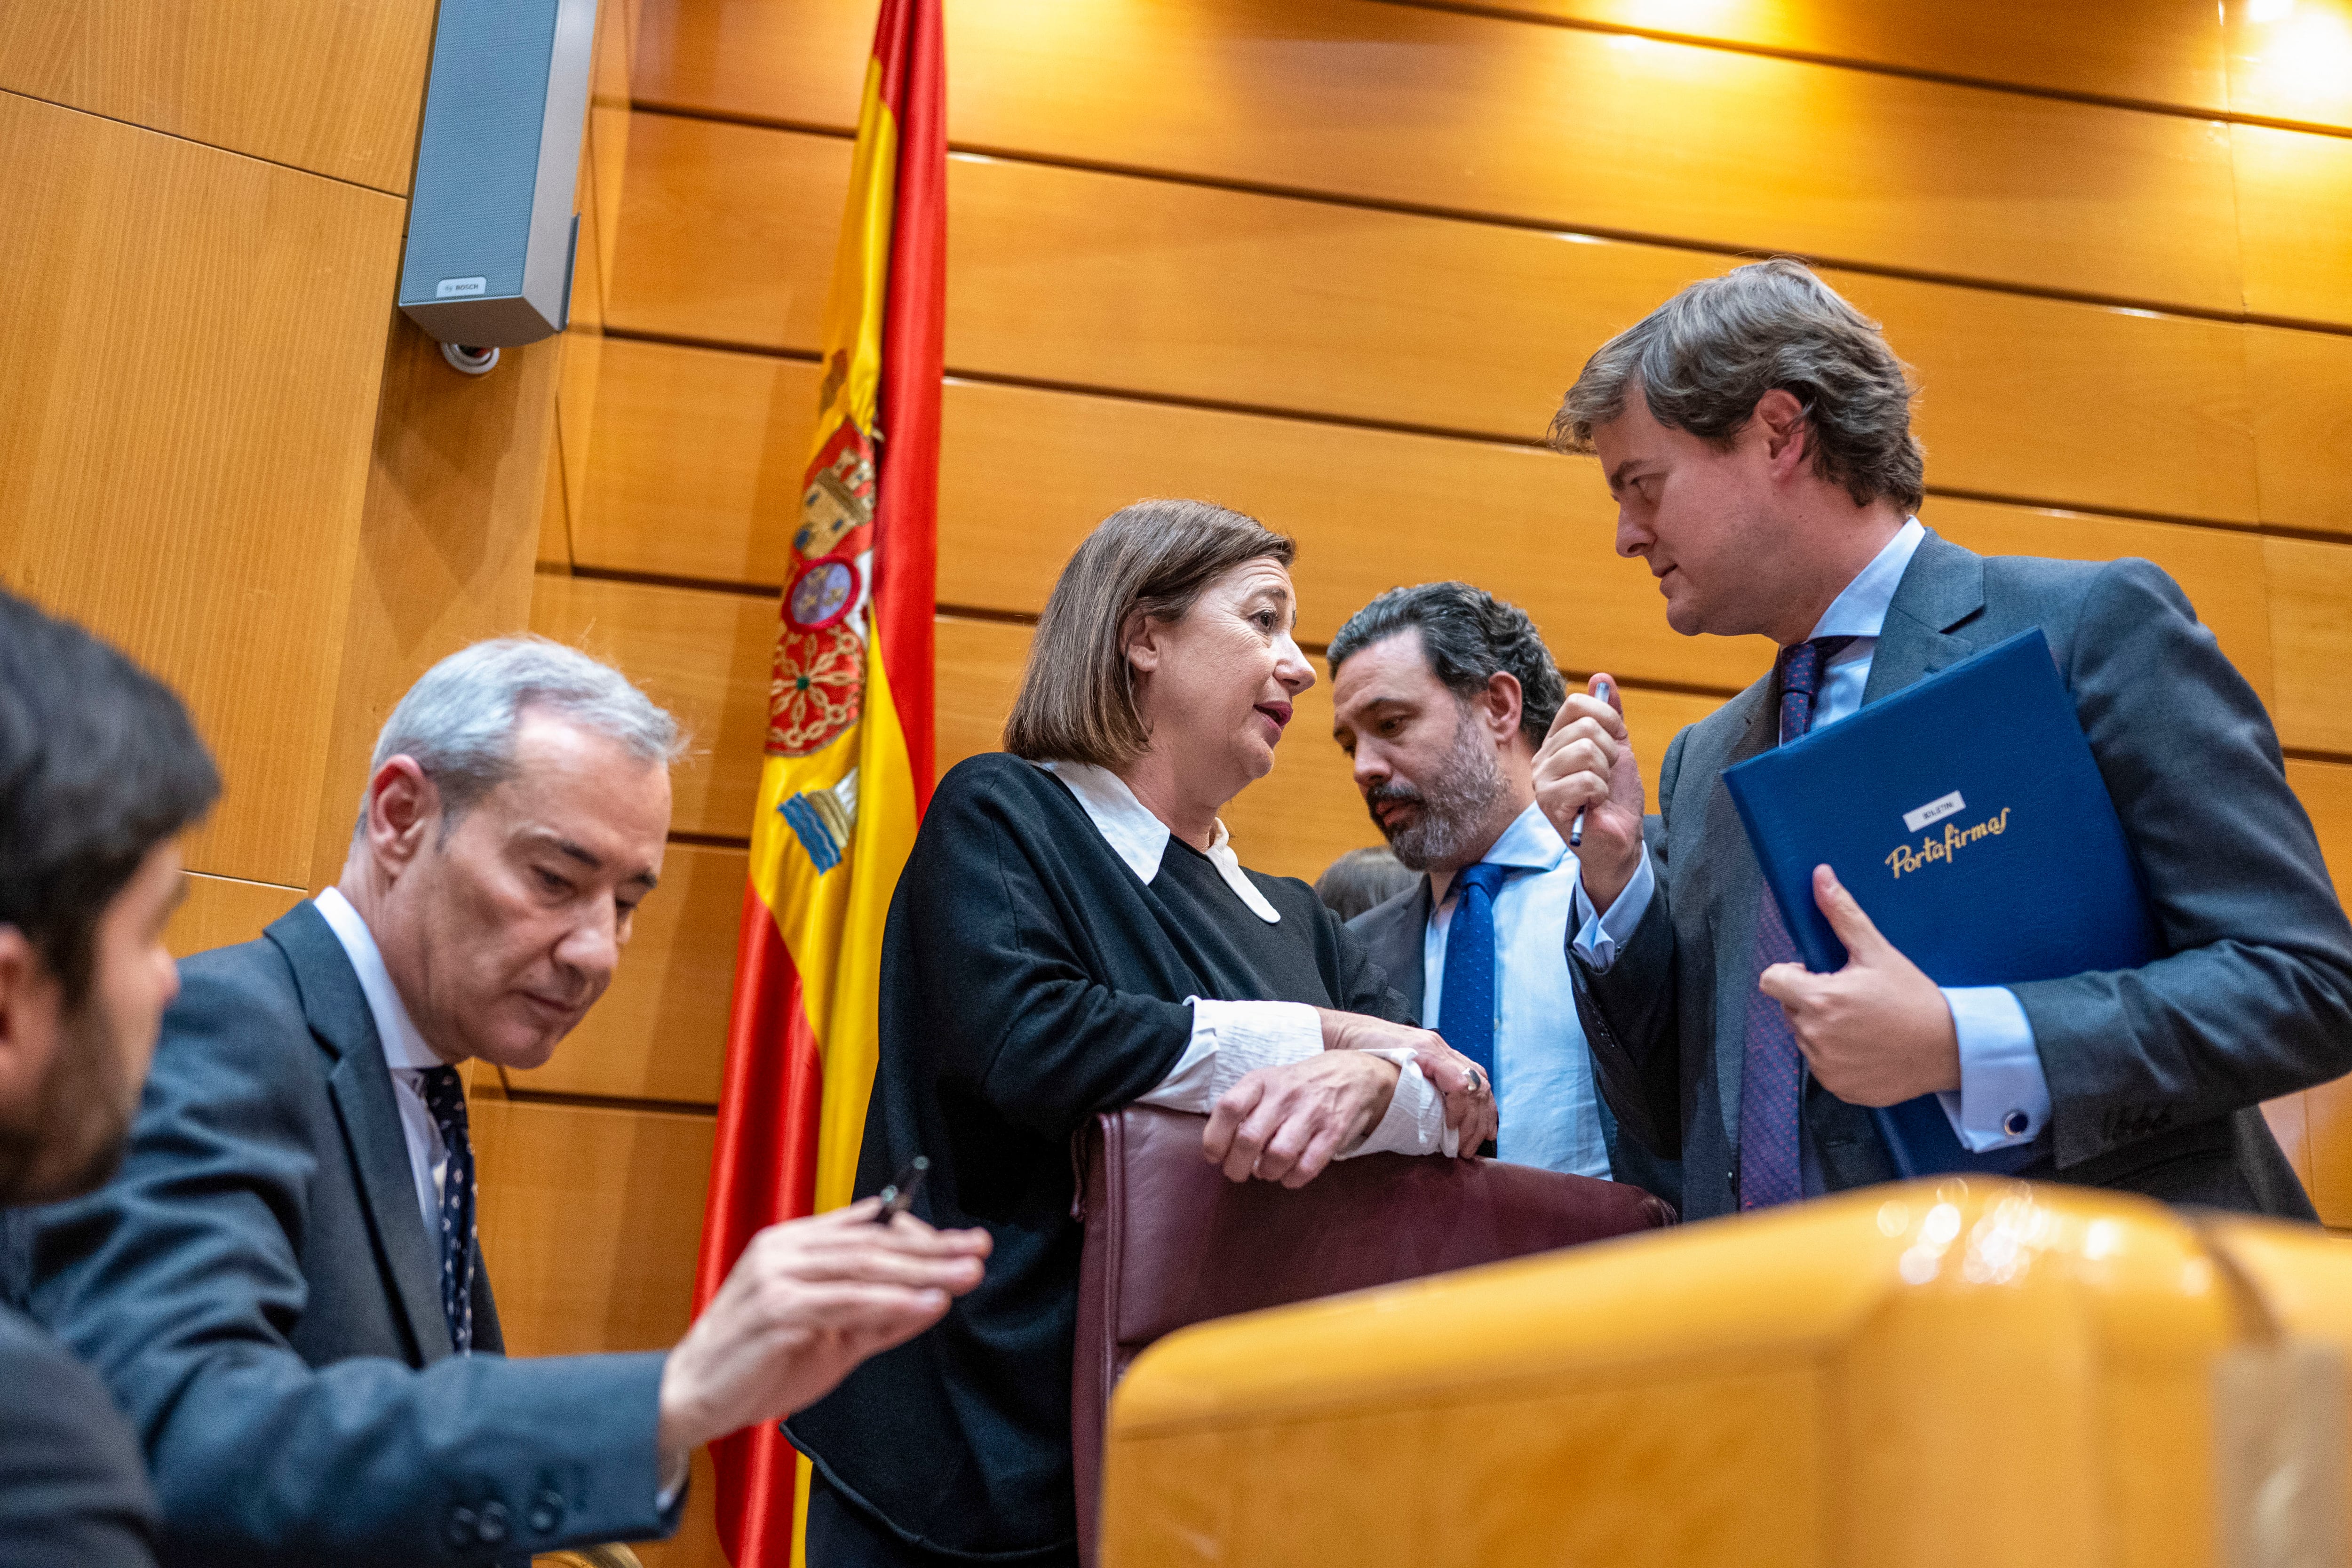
[(1334, 261)]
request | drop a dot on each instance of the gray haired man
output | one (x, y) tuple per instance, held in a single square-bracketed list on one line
[(1755, 432), (282, 1288)]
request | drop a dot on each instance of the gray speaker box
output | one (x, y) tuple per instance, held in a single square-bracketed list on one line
[(491, 233)]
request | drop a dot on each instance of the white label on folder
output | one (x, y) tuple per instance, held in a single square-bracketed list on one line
[(456, 287), (1933, 811)]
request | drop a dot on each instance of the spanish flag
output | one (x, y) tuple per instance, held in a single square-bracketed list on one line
[(848, 767)]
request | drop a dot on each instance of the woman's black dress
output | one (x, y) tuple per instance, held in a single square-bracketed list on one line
[(1029, 980)]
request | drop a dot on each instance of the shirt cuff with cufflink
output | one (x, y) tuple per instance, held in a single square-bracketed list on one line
[(2004, 1096)]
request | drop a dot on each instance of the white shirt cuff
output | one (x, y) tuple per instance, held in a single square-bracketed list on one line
[(1598, 936), (673, 1477), (2004, 1096), (1415, 1122), (1230, 1041)]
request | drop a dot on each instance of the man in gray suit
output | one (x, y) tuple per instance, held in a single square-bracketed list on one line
[(283, 1288), (1755, 430), (100, 772)]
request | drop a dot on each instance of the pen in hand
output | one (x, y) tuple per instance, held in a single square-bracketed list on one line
[(900, 1195), (1576, 828)]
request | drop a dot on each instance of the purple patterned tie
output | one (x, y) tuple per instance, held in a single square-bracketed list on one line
[(1771, 1073)]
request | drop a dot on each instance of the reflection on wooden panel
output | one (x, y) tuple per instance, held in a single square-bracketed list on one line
[(590, 1222), (2311, 630), (704, 657), (454, 496), (2303, 426), (218, 449), (1462, 113), (221, 911), (1076, 278), (2290, 62), (660, 1032), (332, 86), (2220, 572), (2293, 189)]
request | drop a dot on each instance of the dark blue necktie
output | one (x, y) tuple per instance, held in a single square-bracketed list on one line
[(1466, 1013), (1771, 1073), (445, 1097)]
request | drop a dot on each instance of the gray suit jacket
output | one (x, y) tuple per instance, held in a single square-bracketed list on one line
[(73, 1492), (1395, 932), (257, 1290), (2156, 1074)]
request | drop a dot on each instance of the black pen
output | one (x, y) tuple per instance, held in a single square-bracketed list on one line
[(1576, 828), (900, 1195)]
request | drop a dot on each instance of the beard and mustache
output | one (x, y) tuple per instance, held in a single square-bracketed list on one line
[(1454, 807), (69, 1139)]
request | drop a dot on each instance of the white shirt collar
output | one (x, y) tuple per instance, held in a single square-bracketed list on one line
[(1140, 838), (1861, 610), (1530, 841), (403, 1045)]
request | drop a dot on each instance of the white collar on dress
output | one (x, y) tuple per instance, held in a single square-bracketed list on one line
[(403, 1045), (1141, 840)]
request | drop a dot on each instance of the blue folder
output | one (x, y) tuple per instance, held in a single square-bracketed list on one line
[(1967, 817)]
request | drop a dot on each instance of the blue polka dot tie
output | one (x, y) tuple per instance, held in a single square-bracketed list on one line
[(1465, 1007), (1771, 1073), (445, 1097)]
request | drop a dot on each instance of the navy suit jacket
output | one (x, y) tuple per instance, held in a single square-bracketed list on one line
[(73, 1493), (257, 1289), (2156, 1074)]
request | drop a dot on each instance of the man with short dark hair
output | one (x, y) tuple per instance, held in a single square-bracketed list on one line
[(283, 1287), (101, 771), (1441, 695), (1755, 432)]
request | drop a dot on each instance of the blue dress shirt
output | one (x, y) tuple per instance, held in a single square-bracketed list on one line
[(2004, 1096), (1549, 1110)]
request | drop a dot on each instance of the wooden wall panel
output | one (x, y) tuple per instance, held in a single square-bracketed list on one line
[(1082, 279), (188, 378), (660, 1031), (590, 1222), (334, 87), (2311, 628), (2293, 189), (2290, 62), (2303, 426), (2325, 789), (451, 524), (220, 912), (1462, 112)]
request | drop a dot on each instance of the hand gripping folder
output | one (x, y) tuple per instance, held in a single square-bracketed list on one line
[(1967, 816)]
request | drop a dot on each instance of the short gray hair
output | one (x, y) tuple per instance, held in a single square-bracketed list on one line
[(1704, 358), (459, 720)]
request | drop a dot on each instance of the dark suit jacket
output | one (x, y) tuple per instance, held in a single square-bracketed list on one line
[(73, 1492), (2156, 1074), (257, 1289), (1394, 934)]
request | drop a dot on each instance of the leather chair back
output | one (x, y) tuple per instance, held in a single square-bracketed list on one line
[(1169, 1242)]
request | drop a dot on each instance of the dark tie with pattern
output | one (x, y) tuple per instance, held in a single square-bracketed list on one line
[(1466, 1013), (1771, 1071), (445, 1097)]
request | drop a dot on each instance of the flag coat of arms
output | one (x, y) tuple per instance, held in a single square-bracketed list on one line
[(848, 763)]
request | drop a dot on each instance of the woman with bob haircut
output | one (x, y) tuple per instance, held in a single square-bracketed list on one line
[(1072, 934)]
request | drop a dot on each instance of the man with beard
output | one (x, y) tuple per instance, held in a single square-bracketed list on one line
[(100, 772), (1441, 695)]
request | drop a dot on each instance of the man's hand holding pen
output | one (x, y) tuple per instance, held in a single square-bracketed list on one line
[(1588, 785)]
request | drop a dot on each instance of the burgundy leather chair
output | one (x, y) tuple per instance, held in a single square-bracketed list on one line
[(1169, 1242)]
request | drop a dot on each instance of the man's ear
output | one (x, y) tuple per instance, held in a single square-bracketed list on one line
[(1499, 706), (1787, 430), (403, 806), (31, 1003)]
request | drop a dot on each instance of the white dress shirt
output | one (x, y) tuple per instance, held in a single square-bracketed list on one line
[(1231, 1039), (1543, 1072), (404, 1052), (2004, 1096)]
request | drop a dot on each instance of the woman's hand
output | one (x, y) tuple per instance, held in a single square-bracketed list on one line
[(1469, 1098), (1284, 1124)]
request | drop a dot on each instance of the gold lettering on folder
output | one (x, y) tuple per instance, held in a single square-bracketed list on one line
[(1946, 844)]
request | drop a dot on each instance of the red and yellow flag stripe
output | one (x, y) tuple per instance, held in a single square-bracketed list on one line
[(849, 760)]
